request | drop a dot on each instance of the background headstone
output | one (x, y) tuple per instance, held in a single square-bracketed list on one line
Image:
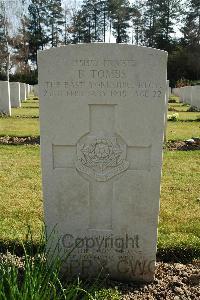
[(15, 94), (22, 91), (5, 106), (176, 91), (187, 94), (102, 109), (35, 90), (182, 95), (196, 96), (166, 109), (27, 90)]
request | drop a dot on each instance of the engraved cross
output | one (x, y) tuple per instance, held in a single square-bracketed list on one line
[(101, 156)]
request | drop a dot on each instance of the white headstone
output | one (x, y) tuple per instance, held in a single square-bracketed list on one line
[(196, 96), (187, 94), (166, 109), (35, 90), (182, 95), (176, 91), (102, 124), (15, 94), (27, 90), (5, 106), (22, 91)]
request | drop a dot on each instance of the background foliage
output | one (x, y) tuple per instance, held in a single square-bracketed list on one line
[(27, 26)]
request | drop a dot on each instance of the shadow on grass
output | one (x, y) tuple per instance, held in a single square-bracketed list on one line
[(178, 254), (17, 248)]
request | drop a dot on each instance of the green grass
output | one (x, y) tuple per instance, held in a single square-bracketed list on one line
[(180, 107), (31, 104), (29, 109), (24, 120), (19, 127), (20, 193), (185, 116), (40, 279), (182, 130), (180, 200), (21, 204)]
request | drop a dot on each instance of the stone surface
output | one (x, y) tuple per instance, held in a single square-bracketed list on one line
[(102, 110), (166, 109), (187, 94), (22, 91), (5, 106), (176, 91), (27, 90), (15, 94), (196, 96), (182, 94), (35, 90)]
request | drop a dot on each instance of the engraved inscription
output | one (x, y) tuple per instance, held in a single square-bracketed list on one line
[(102, 78), (102, 159)]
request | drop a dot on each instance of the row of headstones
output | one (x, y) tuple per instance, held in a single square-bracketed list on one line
[(13, 93), (189, 95)]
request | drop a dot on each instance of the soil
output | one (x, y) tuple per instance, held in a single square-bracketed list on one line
[(14, 140), (170, 145), (172, 281), (183, 145)]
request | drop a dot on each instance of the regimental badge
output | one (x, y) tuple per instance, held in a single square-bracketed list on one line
[(101, 157)]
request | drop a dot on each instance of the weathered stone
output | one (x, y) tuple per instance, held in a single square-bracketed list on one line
[(22, 91), (15, 94), (5, 106), (35, 90), (176, 91), (188, 94), (196, 96), (102, 109)]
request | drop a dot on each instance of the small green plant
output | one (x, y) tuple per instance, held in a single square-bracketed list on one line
[(174, 117), (30, 276), (34, 277), (193, 109)]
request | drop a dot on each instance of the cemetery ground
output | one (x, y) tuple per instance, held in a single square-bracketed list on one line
[(179, 222)]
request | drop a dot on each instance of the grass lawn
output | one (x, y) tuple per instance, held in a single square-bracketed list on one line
[(19, 127), (28, 109), (180, 200), (21, 203), (182, 130), (30, 112), (179, 107), (20, 192), (24, 120), (185, 116)]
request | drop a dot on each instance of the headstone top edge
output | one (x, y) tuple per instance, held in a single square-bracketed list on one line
[(102, 45)]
